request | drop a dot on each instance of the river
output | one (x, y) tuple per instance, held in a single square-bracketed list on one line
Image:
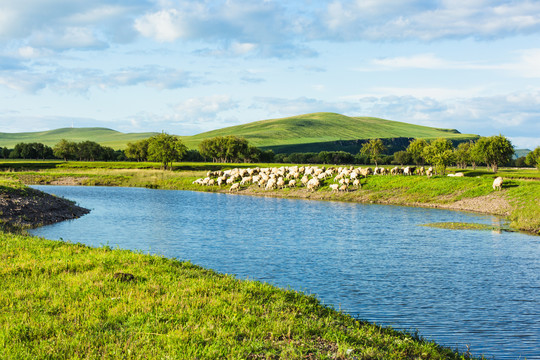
[(458, 287)]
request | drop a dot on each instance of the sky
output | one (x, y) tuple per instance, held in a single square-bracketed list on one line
[(185, 67)]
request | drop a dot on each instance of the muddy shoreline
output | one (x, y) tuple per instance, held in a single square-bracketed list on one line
[(29, 208)]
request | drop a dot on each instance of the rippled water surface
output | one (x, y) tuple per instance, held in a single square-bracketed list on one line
[(458, 288)]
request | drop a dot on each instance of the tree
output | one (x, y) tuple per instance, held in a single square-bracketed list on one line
[(226, 148), (533, 158), (373, 149), (494, 150), (89, 150), (463, 154), (416, 149), (137, 150), (165, 148), (65, 150), (440, 153), (402, 157)]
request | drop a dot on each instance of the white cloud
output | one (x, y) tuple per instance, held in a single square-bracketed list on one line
[(397, 20), (164, 25)]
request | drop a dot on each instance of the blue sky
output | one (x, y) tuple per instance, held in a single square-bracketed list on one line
[(190, 66)]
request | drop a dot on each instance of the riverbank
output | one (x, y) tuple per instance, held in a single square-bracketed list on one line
[(518, 202), (61, 301), (23, 207)]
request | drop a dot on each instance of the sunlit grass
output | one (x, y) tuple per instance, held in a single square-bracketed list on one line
[(60, 301)]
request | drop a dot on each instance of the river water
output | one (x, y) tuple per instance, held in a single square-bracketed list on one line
[(460, 288)]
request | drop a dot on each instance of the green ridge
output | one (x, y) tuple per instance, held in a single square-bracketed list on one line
[(318, 129), (103, 136), (324, 127)]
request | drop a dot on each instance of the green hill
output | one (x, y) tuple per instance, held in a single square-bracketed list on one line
[(318, 129), (302, 133), (103, 136)]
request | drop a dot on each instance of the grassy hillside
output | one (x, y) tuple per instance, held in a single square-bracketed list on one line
[(303, 133), (103, 136), (324, 128)]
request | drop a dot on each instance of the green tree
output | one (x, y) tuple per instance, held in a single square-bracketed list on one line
[(373, 148), (137, 150), (494, 150), (89, 150), (402, 157), (463, 154), (165, 148), (226, 148), (533, 158), (440, 153), (416, 149), (66, 150)]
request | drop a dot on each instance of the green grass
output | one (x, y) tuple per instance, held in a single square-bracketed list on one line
[(465, 226), (103, 136), (323, 127), (60, 300)]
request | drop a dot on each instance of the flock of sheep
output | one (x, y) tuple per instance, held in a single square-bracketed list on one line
[(310, 177)]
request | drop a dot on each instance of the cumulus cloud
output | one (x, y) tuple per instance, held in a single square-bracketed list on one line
[(68, 24), (414, 19), (81, 80)]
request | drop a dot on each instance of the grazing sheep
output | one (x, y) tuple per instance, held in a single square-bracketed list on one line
[(357, 183), (280, 183), (343, 187), (292, 183), (429, 172), (313, 184), (421, 170), (271, 184), (304, 180), (334, 187), (235, 186), (497, 183)]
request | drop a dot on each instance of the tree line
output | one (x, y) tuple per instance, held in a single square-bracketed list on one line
[(493, 151)]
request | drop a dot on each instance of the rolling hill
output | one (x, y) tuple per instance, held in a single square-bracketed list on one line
[(103, 136), (326, 131), (303, 133)]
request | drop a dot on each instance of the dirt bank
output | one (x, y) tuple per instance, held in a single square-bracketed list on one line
[(29, 208), (493, 204)]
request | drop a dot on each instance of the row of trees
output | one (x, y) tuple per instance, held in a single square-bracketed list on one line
[(493, 151), (67, 150), (217, 149)]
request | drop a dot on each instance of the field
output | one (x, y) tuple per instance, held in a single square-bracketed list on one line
[(518, 202)]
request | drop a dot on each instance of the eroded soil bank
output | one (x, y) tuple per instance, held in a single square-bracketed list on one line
[(29, 208)]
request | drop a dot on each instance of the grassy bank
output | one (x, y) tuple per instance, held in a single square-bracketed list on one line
[(66, 301), (519, 201)]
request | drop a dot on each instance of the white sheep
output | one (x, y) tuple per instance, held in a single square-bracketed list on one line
[(313, 184), (357, 183), (334, 187), (497, 183), (429, 172), (235, 186), (292, 183)]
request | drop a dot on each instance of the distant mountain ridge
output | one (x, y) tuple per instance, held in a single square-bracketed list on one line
[(308, 132)]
